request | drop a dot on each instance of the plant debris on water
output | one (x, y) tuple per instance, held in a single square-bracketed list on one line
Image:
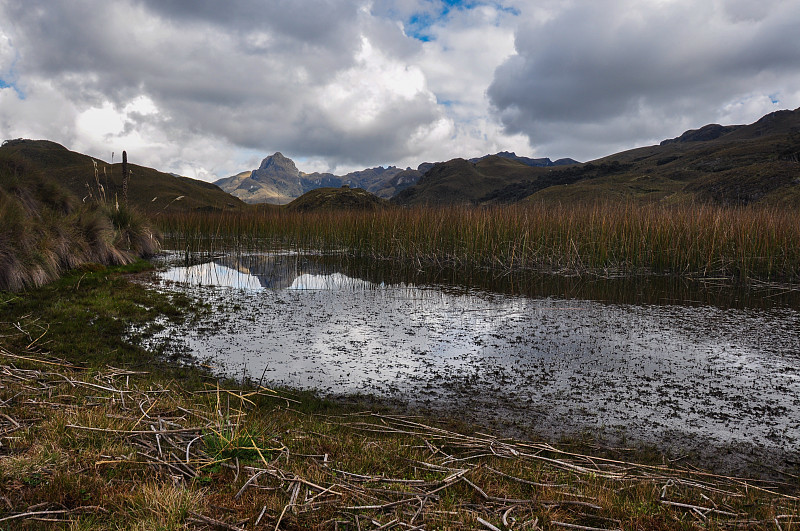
[(628, 361)]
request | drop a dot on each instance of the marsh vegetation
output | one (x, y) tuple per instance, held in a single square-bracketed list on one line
[(605, 239), (46, 230), (99, 432)]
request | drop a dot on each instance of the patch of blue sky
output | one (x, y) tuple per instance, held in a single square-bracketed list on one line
[(6, 84), (419, 24), (774, 98)]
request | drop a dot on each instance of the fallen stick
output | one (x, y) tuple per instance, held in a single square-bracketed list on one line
[(247, 483), (698, 508), (477, 488), (30, 514), (132, 432), (217, 523), (383, 506), (35, 360), (486, 524), (581, 527)]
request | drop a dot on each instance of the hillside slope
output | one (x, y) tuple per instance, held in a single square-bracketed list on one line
[(729, 165), (149, 190), (460, 181), (751, 164)]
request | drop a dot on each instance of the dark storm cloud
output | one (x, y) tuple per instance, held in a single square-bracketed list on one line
[(128, 44), (346, 81), (253, 73), (312, 21), (628, 68)]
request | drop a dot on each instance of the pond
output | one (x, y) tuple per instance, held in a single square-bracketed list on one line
[(683, 363)]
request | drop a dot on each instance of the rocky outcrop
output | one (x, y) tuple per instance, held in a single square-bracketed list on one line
[(535, 163), (704, 134)]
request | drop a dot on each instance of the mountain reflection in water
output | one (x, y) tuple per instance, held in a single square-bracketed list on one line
[(642, 356), (212, 274), (258, 272)]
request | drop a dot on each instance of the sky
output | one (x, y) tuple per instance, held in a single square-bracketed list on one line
[(206, 88)]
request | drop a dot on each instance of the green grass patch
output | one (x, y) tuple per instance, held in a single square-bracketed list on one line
[(95, 316)]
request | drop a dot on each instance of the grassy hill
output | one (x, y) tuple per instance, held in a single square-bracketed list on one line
[(149, 190), (343, 198), (460, 181), (728, 165), (46, 230), (61, 210)]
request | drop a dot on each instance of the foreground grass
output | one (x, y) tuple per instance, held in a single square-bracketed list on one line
[(111, 437), (603, 238)]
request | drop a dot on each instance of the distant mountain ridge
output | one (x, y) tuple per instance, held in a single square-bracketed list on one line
[(757, 163), (278, 181), (537, 163)]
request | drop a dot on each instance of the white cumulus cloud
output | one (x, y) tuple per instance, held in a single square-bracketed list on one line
[(208, 88)]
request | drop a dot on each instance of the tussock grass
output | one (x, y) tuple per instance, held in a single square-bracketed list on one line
[(604, 238), (45, 231)]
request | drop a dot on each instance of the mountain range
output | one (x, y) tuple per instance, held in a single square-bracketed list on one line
[(757, 163), (278, 181), (730, 165)]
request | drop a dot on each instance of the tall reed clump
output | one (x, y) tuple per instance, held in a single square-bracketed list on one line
[(46, 230), (601, 238)]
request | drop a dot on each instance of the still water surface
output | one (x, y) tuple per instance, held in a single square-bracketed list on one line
[(557, 355)]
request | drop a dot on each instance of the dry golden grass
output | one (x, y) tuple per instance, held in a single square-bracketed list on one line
[(46, 231), (111, 448)]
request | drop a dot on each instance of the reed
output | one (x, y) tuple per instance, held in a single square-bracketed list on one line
[(602, 238)]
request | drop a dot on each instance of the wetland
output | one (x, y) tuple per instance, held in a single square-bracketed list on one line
[(693, 367)]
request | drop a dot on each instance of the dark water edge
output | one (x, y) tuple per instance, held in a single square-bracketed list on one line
[(692, 367), (278, 269)]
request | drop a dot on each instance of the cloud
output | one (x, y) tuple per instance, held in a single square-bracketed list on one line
[(464, 48), (595, 77), (339, 80), (252, 75), (209, 88)]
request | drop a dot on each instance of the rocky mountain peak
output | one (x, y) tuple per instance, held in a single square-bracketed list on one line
[(278, 164)]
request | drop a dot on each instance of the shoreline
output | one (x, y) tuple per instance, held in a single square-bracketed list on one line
[(97, 433), (492, 392)]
